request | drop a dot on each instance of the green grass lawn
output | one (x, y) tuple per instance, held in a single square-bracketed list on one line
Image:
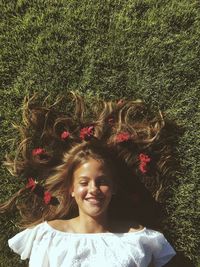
[(112, 49)]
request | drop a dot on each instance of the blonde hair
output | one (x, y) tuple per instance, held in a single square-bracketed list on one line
[(43, 126)]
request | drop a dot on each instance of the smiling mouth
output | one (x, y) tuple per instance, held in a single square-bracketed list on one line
[(94, 200)]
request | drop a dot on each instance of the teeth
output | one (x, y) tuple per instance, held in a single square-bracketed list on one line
[(93, 200)]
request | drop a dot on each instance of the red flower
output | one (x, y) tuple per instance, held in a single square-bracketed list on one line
[(38, 151), (86, 132), (122, 137), (65, 135), (31, 184), (47, 197), (144, 159), (143, 168)]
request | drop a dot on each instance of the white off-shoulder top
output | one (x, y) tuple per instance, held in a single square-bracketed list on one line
[(45, 246)]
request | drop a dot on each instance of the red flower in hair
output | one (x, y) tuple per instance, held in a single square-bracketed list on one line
[(31, 184), (144, 159), (122, 137), (38, 151), (47, 197), (87, 132), (65, 135)]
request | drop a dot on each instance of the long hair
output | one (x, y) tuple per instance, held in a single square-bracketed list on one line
[(55, 138)]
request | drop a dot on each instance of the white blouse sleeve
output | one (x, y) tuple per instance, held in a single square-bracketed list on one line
[(22, 242), (163, 252)]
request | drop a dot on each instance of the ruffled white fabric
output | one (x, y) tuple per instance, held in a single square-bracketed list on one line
[(48, 247)]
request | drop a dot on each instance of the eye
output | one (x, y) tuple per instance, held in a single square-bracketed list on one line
[(83, 183), (103, 181)]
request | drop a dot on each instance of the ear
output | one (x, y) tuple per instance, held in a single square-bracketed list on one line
[(72, 191)]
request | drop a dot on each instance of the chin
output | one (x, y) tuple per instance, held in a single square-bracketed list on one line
[(95, 212)]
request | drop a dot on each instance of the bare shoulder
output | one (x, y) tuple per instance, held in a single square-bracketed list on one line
[(60, 225)]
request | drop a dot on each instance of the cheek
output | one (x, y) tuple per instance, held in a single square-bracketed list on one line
[(80, 191), (107, 190)]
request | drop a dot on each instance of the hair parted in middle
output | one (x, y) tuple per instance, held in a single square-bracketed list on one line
[(126, 136)]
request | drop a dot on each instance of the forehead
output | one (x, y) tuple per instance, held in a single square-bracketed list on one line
[(91, 167)]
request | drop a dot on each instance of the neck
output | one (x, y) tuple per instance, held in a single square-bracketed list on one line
[(87, 224)]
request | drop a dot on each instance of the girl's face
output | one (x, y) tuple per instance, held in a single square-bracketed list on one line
[(92, 188)]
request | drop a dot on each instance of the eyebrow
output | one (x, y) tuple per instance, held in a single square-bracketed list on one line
[(86, 177), (83, 177)]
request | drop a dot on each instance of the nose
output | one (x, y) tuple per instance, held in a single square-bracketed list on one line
[(93, 188)]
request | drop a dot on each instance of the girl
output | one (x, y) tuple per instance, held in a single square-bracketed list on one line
[(88, 178)]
